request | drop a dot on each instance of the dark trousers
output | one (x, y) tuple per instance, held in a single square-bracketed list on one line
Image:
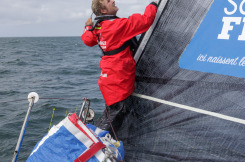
[(115, 113)]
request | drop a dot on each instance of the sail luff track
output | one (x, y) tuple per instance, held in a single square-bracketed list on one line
[(143, 43)]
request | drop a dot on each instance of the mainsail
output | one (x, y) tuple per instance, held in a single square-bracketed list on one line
[(189, 99)]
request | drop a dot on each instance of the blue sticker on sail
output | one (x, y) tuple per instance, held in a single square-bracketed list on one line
[(219, 44)]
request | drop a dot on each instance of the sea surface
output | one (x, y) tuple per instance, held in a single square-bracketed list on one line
[(53, 67)]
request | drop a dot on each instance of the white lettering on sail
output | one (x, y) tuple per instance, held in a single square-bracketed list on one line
[(230, 22)]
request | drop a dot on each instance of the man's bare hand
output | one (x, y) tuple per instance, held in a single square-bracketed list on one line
[(89, 22)]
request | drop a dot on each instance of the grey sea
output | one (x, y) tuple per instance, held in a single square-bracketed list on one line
[(62, 70)]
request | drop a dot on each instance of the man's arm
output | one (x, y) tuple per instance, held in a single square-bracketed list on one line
[(137, 24), (88, 37)]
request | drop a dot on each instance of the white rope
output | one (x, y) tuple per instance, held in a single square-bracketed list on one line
[(198, 110)]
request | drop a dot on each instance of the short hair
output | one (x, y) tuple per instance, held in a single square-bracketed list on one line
[(97, 5)]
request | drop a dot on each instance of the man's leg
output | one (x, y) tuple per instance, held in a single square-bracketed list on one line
[(114, 114)]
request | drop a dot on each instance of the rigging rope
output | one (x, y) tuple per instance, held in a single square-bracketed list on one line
[(111, 124), (51, 119), (190, 108)]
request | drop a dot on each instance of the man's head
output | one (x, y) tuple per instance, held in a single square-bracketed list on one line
[(104, 7)]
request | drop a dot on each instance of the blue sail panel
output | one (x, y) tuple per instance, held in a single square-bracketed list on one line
[(219, 44)]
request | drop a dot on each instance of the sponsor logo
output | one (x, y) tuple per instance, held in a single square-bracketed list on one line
[(102, 44), (103, 75), (219, 44)]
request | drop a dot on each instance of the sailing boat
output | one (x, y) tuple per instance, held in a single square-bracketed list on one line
[(189, 98)]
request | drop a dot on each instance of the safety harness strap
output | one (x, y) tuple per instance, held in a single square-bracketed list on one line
[(118, 50), (133, 43), (99, 19)]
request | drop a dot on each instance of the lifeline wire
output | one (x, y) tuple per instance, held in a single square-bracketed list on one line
[(61, 99), (72, 99), (14, 101)]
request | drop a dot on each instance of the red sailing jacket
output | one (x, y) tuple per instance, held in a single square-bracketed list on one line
[(117, 77)]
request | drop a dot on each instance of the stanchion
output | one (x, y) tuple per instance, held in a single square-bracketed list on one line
[(32, 98)]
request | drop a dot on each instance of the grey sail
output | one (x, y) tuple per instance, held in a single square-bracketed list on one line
[(189, 104)]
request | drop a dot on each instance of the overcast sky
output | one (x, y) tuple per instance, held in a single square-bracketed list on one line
[(20, 18)]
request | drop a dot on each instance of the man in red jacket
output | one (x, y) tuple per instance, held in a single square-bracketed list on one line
[(113, 35)]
